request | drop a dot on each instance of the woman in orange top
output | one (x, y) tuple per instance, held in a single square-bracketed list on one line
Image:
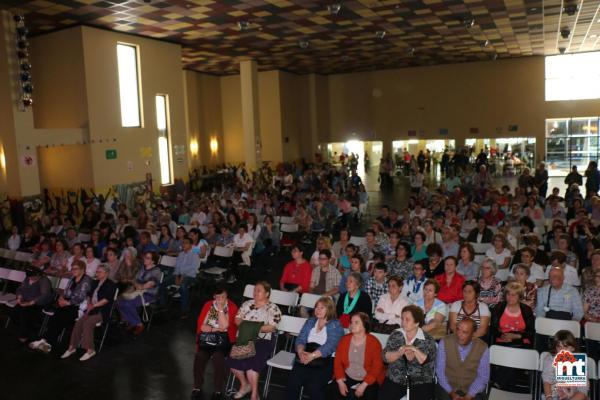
[(358, 366), (217, 316)]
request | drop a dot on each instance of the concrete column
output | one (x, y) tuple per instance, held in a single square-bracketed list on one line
[(314, 118), (17, 179), (250, 114)]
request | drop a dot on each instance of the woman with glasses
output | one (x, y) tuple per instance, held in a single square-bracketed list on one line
[(146, 284)]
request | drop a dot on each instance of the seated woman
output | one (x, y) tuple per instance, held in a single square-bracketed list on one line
[(521, 276), (42, 256), (389, 307), (358, 369), (491, 287), (91, 262), (128, 270), (354, 300), (513, 321), (472, 308), (434, 265), (499, 252), (409, 352), (418, 250), (58, 261), (357, 265), (467, 266), (297, 273), (67, 307), (166, 242), (436, 311), (97, 311), (33, 294), (401, 265), (259, 309), (562, 340), (217, 316), (315, 345), (450, 281), (146, 282), (591, 300)]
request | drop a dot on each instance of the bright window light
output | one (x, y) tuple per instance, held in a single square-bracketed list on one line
[(128, 85), (164, 148), (573, 76)]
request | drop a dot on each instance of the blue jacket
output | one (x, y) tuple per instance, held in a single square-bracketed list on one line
[(334, 334)]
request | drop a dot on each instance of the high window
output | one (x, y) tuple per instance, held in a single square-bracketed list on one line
[(129, 88), (573, 76)]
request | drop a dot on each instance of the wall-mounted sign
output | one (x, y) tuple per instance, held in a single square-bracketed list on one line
[(111, 154), (28, 160), (129, 166), (146, 152)]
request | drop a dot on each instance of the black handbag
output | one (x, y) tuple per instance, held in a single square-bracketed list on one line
[(213, 341), (553, 314)]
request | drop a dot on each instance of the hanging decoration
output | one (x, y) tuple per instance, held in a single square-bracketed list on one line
[(25, 83)]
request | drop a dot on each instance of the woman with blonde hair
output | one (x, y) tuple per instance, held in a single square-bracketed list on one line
[(315, 345)]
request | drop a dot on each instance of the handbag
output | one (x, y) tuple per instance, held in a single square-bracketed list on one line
[(553, 314), (243, 351), (212, 341)]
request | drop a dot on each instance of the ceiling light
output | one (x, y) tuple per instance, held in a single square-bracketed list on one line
[(484, 43), (468, 22), (494, 57), (533, 9), (243, 25), (570, 9), (334, 8), (303, 44), (593, 36), (380, 34), (411, 51)]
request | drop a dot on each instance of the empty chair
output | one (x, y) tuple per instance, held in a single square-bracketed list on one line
[(481, 248), (510, 357), (309, 300), (548, 327), (167, 261), (289, 228), (359, 241), (281, 298), (283, 220), (249, 291), (285, 358)]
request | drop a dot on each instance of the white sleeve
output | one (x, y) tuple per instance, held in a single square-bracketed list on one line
[(484, 311), (455, 307)]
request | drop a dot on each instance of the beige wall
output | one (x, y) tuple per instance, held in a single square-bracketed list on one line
[(384, 105), (269, 99), (59, 95), (65, 167), (161, 73), (231, 103), (295, 116)]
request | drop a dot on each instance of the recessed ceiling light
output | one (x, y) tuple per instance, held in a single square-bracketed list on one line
[(243, 25), (334, 9), (303, 44), (411, 51), (380, 34), (532, 9), (484, 43), (468, 22)]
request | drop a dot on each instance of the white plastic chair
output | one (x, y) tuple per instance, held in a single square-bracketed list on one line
[(226, 252), (503, 274), (592, 331), (84, 237), (513, 358), (548, 327), (309, 300), (382, 337), (283, 220), (24, 257), (168, 261), (359, 241), (289, 228), (285, 299), (481, 248), (203, 229), (63, 283), (285, 358), (249, 291)]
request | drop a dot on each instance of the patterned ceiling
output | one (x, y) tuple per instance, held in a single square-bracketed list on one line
[(305, 36)]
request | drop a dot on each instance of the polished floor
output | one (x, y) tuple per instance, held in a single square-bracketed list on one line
[(155, 366)]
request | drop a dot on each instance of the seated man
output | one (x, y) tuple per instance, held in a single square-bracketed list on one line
[(462, 365), (186, 269), (376, 286), (325, 279), (558, 300)]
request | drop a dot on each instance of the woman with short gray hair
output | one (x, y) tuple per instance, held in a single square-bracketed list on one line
[(354, 300), (491, 287)]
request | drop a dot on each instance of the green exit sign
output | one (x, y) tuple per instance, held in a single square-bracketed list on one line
[(111, 154)]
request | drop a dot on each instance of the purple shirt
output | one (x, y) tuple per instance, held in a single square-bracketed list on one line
[(483, 370)]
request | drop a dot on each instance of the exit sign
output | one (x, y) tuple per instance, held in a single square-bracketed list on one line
[(111, 154)]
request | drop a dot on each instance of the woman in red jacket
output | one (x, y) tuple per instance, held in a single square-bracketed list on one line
[(217, 316), (450, 282), (358, 366)]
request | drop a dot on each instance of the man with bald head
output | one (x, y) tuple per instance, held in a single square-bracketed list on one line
[(557, 300), (462, 364)]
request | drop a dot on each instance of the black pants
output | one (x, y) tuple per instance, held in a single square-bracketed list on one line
[(219, 371), (369, 394), (313, 379), (395, 391), (441, 394), (64, 317), (26, 317)]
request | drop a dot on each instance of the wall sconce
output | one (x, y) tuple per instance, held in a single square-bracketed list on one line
[(2, 160), (214, 146), (194, 147)]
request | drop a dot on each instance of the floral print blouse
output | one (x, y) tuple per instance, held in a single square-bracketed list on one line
[(591, 296), (269, 314)]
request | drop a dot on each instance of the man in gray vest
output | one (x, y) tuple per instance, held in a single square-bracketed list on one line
[(462, 365)]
